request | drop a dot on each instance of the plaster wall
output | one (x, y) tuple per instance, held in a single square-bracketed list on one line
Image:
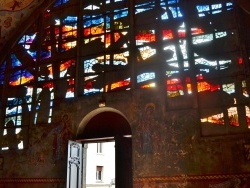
[(168, 149)]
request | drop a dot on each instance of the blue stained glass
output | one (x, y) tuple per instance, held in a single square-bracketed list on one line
[(217, 6), (176, 12), (27, 39), (70, 19), (2, 69), (13, 102), (145, 76), (32, 54), (96, 20), (139, 10), (45, 54), (15, 61), (206, 8), (170, 2), (88, 22), (145, 4), (216, 12), (91, 91), (60, 2), (203, 8), (20, 73), (173, 1), (120, 13), (99, 19)]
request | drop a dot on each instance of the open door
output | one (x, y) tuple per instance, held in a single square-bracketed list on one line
[(105, 123), (74, 165), (123, 152)]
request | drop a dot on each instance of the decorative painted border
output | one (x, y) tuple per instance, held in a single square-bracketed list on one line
[(136, 180), (32, 180), (191, 177)]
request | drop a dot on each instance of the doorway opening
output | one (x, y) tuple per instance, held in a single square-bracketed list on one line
[(99, 164), (102, 125)]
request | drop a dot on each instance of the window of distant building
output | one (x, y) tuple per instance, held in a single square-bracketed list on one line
[(99, 147), (99, 173)]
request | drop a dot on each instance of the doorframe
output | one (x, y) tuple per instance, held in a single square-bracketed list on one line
[(86, 122)]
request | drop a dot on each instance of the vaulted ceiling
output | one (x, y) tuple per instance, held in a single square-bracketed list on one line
[(14, 16)]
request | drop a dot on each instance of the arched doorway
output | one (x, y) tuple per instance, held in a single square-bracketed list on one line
[(103, 124)]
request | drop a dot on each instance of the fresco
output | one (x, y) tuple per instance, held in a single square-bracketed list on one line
[(47, 151), (200, 94), (10, 5), (12, 14)]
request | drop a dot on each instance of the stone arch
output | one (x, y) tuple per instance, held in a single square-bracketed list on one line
[(103, 122)]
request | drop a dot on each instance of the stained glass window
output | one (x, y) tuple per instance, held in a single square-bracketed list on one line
[(79, 48)]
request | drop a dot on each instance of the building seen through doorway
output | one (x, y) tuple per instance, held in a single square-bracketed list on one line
[(100, 165)]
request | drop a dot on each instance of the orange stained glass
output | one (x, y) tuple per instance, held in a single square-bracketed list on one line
[(21, 80), (248, 116), (108, 38), (93, 31), (148, 85), (119, 84), (68, 45), (70, 29), (216, 119), (233, 116), (204, 86), (189, 88), (63, 66), (72, 34)]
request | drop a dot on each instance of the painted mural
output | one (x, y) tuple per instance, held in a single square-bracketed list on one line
[(190, 124), (47, 151), (13, 5), (12, 14)]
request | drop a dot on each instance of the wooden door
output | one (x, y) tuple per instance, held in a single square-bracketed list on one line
[(123, 152), (74, 165)]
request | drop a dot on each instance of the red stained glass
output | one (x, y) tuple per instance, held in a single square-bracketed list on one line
[(168, 34), (88, 85), (174, 87), (240, 61), (48, 85), (148, 37)]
